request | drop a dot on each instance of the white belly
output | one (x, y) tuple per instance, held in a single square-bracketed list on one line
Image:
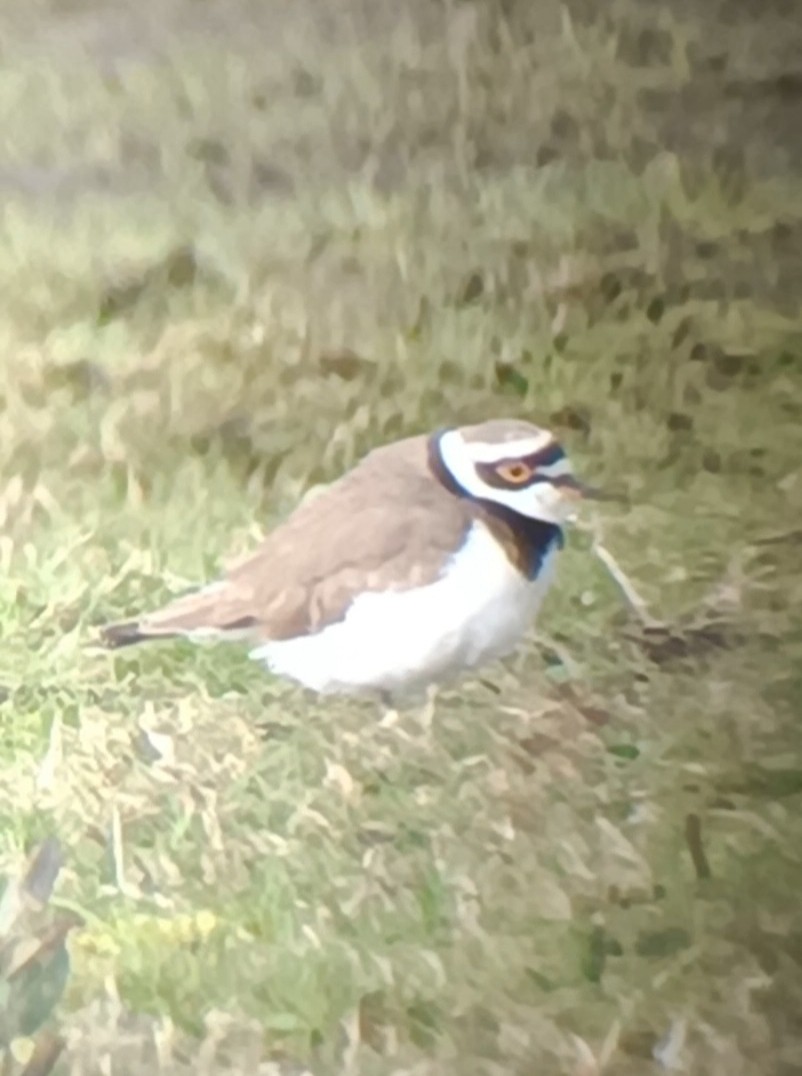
[(400, 641)]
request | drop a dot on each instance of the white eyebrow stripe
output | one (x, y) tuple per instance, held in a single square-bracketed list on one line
[(480, 453)]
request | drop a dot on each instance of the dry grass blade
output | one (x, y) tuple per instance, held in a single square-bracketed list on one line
[(47, 1050)]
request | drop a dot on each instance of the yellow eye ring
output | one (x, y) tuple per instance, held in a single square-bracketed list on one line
[(515, 473)]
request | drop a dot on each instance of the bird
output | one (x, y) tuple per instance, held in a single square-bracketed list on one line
[(425, 561)]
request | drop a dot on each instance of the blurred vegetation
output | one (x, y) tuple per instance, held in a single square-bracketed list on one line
[(34, 964), (244, 242)]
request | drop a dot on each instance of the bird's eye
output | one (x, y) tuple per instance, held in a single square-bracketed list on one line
[(515, 473)]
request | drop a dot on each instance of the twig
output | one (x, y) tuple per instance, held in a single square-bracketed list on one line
[(693, 838), (632, 598)]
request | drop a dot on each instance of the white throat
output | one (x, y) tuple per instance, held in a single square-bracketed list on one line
[(399, 641)]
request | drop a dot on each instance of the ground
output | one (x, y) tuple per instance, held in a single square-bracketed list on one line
[(244, 242)]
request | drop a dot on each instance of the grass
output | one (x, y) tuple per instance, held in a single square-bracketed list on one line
[(241, 248)]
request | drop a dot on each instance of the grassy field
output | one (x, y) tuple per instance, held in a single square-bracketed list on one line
[(242, 244)]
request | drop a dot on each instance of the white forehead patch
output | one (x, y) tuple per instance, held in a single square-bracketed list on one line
[(484, 453)]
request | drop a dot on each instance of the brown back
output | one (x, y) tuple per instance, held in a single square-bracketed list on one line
[(387, 524)]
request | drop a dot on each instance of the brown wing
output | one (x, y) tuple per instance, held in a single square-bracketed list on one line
[(387, 524)]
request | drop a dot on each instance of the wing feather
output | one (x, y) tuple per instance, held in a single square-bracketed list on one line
[(387, 524)]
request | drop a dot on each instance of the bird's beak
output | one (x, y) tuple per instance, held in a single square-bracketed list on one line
[(573, 489)]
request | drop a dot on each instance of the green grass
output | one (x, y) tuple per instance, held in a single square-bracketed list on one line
[(238, 253)]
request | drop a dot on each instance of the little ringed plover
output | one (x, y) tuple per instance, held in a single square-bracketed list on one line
[(429, 558)]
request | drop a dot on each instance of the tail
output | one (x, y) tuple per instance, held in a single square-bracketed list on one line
[(115, 636), (215, 611)]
